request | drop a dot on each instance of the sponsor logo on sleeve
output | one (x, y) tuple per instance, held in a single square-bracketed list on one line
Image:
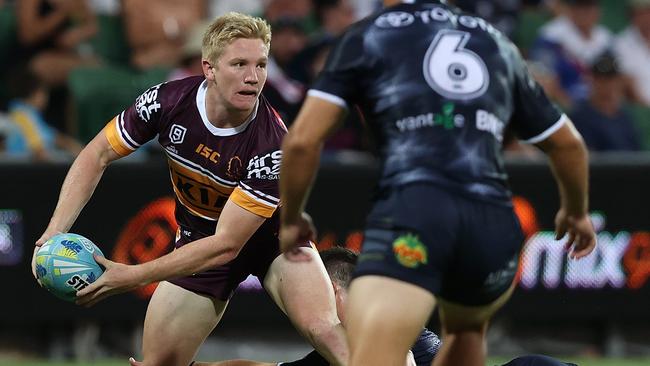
[(265, 166), (147, 104)]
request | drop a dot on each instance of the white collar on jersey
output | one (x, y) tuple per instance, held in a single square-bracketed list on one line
[(200, 104)]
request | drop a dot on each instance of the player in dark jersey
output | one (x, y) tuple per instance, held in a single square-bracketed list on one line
[(340, 263), (222, 140), (438, 87)]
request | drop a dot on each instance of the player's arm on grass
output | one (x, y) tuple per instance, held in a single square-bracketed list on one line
[(78, 187), (235, 227), (301, 152), (569, 161)]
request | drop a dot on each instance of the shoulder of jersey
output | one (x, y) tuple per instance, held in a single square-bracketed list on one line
[(272, 116), (182, 85)]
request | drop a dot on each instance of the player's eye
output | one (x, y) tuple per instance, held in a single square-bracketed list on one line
[(262, 66)]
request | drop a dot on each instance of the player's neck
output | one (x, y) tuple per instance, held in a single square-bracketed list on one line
[(220, 116)]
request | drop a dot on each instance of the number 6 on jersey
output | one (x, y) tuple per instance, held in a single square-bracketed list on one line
[(452, 70)]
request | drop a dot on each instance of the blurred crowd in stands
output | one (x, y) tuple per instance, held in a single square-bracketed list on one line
[(68, 66)]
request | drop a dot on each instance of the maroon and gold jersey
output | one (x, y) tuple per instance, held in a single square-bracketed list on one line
[(207, 165)]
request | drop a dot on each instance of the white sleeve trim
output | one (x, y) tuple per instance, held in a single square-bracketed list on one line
[(549, 131), (335, 99)]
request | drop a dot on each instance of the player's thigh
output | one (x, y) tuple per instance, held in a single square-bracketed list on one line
[(385, 313), (302, 289), (486, 256), (456, 317), (176, 324)]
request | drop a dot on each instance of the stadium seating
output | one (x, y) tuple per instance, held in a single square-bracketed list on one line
[(110, 42), (100, 93), (641, 117), (7, 43)]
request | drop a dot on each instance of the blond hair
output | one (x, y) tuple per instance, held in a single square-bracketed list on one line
[(229, 27)]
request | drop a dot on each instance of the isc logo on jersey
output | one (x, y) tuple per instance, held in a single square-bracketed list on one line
[(265, 166)]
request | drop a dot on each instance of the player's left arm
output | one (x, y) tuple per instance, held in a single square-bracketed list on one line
[(301, 151), (235, 227), (542, 123)]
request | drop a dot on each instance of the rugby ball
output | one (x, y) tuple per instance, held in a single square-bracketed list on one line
[(65, 265)]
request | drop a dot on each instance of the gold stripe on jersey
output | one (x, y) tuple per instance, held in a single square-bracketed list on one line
[(112, 134), (201, 195), (248, 203)]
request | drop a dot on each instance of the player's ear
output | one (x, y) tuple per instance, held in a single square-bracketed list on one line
[(208, 69)]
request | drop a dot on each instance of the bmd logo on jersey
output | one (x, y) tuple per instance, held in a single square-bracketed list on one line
[(147, 104), (177, 134), (409, 251)]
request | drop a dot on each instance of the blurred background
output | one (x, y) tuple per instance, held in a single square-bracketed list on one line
[(69, 66)]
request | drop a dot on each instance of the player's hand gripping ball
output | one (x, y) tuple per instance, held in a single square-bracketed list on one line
[(65, 265)]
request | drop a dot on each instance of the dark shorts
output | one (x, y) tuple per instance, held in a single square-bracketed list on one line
[(462, 250), (255, 258)]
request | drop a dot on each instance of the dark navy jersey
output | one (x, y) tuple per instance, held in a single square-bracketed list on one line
[(424, 350), (438, 88)]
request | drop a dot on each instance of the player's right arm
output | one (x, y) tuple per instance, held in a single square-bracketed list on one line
[(78, 187), (123, 135)]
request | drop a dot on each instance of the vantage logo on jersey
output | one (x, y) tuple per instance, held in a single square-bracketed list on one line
[(446, 119), (266, 166), (409, 251)]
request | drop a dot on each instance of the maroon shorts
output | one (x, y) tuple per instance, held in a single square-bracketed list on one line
[(255, 258)]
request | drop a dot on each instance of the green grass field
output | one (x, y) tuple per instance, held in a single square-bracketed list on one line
[(492, 362), (587, 361)]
